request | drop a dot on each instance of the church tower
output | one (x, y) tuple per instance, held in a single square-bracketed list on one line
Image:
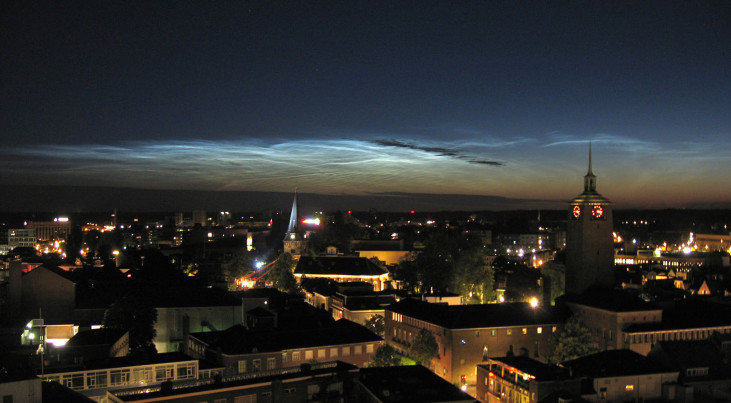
[(589, 242), (294, 242)]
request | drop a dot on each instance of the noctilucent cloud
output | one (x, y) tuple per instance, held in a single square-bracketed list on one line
[(332, 97)]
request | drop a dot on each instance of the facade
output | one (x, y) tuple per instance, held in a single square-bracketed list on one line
[(94, 379), (522, 380), (589, 242), (359, 307), (704, 374), (318, 382), (175, 322), (342, 269), (200, 217), (623, 375), (21, 388), (48, 292), (22, 238), (713, 242), (59, 228), (689, 321), (468, 335), (608, 312), (241, 351)]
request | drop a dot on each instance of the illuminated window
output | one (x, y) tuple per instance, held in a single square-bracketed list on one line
[(525, 331), (510, 331), (539, 330), (629, 388), (296, 356)]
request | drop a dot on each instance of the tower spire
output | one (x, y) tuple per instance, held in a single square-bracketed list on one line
[(589, 178), (589, 172), (293, 218)]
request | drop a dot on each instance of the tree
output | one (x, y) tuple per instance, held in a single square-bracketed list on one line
[(385, 356), (133, 314), (281, 274), (424, 347), (472, 279), (448, 258), (574, 340), (376, 324), (238, 265), (554, 274)]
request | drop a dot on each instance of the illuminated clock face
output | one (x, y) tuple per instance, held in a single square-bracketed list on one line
[(597, 212), (576, 211)]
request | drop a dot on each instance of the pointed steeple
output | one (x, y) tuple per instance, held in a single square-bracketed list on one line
[(589, 178), (293, 227)]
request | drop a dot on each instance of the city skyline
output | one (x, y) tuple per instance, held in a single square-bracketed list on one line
[(479, 99)]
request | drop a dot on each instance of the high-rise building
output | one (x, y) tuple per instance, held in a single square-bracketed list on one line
[(200, 217), (589, 243), (50, 230), (22, 238)]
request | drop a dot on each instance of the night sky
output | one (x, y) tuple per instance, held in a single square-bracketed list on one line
[(365, 97)]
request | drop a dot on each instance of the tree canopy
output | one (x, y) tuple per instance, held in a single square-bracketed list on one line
[(424, 347), (450, 261), (574, 340), (133, 314), (376, 324), (281, 274), (385, 356)]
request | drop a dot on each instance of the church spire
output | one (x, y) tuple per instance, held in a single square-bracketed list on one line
[(589, 178), (293, 227)]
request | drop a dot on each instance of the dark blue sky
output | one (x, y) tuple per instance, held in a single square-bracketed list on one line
[(366, 97)]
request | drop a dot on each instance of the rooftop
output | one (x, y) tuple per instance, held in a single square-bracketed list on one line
[(477, 316), (239, 340), (338, 265), (542, 372), (610, 300), (127, 361), (614, 363), (412, 383)]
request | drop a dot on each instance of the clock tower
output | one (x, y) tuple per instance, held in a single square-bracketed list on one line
[(589, 242)]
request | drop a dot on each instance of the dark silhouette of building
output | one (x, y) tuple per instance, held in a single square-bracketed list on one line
[(589, 243)]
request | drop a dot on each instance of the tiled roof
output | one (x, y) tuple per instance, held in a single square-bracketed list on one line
[(477, 316)]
